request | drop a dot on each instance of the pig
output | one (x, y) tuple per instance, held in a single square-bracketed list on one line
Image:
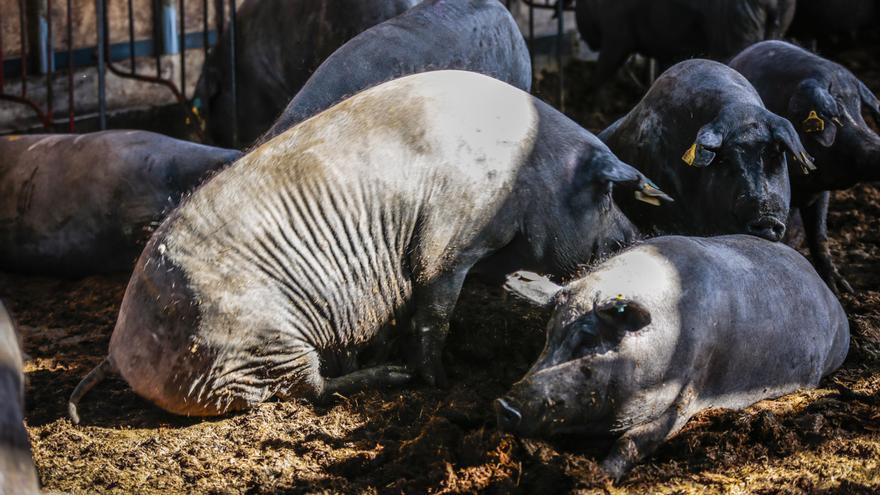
[(673, 30), (826, 103), (17, 473), (289, 273), (474, 35), (279, 44), (74, 205), (667, 328), (704, 135)]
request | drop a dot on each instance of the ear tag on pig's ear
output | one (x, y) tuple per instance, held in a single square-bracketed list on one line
[(813, 123), (651, 194), (647, 199), (690, 155), (619, 303)]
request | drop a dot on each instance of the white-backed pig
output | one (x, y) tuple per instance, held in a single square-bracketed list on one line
[(670, 327), (75, 205), (703, 134), (17, 473), (284, 273)]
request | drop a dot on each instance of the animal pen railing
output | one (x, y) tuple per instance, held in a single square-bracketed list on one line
[(69, 47)]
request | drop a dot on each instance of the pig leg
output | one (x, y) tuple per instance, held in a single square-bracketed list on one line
[(639, 442), (815, 218), (434, 303), (306, 380), (368, 378)]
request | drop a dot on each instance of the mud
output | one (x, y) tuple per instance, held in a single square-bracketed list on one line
[(418, 440)]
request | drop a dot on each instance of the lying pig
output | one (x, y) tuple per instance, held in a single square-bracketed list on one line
[(286, 271), (825, 102), (673, 30), (703, 133), (474, 35), (279, 44), (74, 205), (668, 328), (17, 473)]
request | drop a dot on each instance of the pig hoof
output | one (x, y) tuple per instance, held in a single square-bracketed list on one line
[(433, 374)]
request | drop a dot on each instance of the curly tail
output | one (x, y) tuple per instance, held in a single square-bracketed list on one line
[(93, 378)]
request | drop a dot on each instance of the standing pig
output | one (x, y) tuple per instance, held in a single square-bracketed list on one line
[(287, 270), (17, 473), (668, 328), (74, 205), (673, 30), (825, 102), (473, 35), (703, 133), (279, 44)]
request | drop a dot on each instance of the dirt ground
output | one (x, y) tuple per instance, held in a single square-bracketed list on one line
[(418, 440)]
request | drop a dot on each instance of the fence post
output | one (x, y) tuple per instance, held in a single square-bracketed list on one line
[(170, 41), (232, 73), (102, 94)]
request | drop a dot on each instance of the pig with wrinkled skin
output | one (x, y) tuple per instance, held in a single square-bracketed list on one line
[(74, 205), (473, 35), (825, 102), (670, 327), (17, 473), (289, 273), (703, 134), (279, 44)]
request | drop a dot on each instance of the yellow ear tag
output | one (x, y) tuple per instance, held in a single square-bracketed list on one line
[(690, 155), (647, 199), (813, 123)]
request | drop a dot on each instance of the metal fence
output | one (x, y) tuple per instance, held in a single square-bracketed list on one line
[(38, 55)]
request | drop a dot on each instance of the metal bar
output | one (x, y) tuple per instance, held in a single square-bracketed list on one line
[(50, 63), (182, 35), (70, 103), (205, 28), (2, 65), (531, 33), (131, 36), (232, 82), (157, 35), (22, 16), (560, 35), (102, 90), (117, 52)]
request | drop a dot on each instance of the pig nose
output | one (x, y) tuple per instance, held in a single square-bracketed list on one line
[(767, 227), (508, 416)]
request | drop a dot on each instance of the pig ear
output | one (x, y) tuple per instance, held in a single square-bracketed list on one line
[(611, 169), (622, 315), (628, 176), (707, 143), (785, 135), (815, 112), (870, 101), (533, 288)]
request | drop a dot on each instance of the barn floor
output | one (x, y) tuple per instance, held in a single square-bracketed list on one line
[(419, 439)]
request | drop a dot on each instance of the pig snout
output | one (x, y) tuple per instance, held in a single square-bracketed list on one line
[(766, 227), (507, 415)]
